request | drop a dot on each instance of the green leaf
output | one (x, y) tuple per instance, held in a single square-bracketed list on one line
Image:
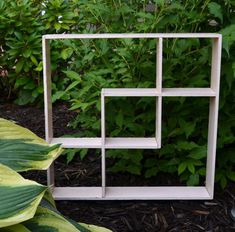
[(185, 146), (215, 9), (72, 85), (119, 119), (151, 172), (187, 127), (22, 150), (191, 167), (134, 169), (193, 180), (15, 228), (66, 53), (83, 153), (198, 153), (57, 95), (34, 60), (18, 35), (93, 228), (27, 53), (48, 220), (231, 175), (19, 197), (73, 75), (228, 37), (201, 171), (57, 26), (223, 182), (182, 167), (19, 65)]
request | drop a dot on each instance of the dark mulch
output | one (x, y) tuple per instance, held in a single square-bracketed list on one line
[(123, 216)]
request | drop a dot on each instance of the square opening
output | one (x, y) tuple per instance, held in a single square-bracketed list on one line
[(143, 168), (83, 169), (131, 122), (187, 63)]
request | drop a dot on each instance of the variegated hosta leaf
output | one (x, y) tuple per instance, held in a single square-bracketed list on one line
[(19, 198), (93, 228), (15, 228), (47, 220), (22, 150)]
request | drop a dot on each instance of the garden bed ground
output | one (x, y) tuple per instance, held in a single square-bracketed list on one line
[(123, 216)]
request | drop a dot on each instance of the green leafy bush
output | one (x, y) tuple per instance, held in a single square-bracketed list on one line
[(81, 68)]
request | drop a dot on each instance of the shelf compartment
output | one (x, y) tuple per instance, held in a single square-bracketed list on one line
[(188, 92), (132, 193), (131, 143), (130, 92), (77, 142)]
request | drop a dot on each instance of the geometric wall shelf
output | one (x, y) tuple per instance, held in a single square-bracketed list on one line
[(137, 193)]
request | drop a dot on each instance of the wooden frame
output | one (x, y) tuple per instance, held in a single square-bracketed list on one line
[(134, 193)]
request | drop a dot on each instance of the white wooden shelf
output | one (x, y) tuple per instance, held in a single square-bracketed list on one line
[(78, 142), (131, 143), (131, 193), (140, 35), (119, 143), (188, 92), (130, 92), (103, 143), (166, 92)]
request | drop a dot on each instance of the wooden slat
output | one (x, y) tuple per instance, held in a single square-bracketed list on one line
[(130, 92), (188, 92), (78, 142), (213, 115), (131, 143), (131, 193), (117, 36)]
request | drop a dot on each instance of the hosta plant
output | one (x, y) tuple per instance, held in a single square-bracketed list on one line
[(26, 205)]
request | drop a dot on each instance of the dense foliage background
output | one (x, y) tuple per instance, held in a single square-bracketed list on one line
[(81, 68)]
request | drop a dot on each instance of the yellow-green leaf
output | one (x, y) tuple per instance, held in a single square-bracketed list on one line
[(48, 220), (93, 228), (22, 150), (19, 197), (15, 228)]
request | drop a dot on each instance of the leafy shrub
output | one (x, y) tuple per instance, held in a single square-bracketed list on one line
[(81, 68), (27, 205)]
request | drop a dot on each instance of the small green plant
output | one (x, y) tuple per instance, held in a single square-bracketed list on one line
[(26, 205)]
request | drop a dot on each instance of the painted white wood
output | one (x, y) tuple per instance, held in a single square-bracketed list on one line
[(158, 120), (159, 58), (120, 36), (213, 115), (130, 92), (188, 92), (131, 143), (131, 193), (103, 166), (77, 193), (103, 171), (103, 143), (48, 104), (78, 142), (121, 143), (47, 89)]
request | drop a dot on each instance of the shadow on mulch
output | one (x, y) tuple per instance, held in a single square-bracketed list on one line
[(122, 216)]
